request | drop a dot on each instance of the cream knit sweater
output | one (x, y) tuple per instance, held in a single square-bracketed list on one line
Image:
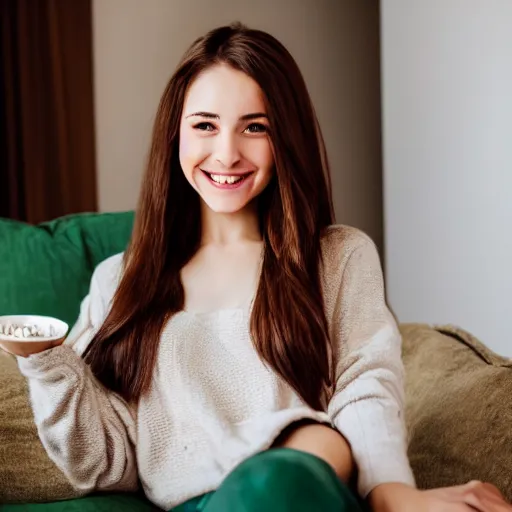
[(213, 403)]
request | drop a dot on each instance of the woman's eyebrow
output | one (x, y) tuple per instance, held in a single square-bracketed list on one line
[(245, 117), (255, 115)]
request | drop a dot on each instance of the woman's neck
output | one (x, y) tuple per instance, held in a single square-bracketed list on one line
[(229, 228)]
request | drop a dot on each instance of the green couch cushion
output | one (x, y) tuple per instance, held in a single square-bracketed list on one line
[(44, 270), (99, 503)]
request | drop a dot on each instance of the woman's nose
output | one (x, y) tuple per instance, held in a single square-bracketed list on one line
[(226, 150)]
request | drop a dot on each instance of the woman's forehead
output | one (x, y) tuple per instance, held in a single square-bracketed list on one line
[(224, 91)]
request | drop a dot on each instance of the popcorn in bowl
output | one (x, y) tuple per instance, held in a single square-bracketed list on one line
[(27, 331), (24, 335)]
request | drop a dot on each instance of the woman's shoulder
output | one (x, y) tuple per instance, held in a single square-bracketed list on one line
[(339, 241), (107, 274), (349, 256)]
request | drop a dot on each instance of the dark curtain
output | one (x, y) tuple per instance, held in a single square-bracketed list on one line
[(46, 108)]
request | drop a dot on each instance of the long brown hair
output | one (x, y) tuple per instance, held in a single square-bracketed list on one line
[(288, 323)]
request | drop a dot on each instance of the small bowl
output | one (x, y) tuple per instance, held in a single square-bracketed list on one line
[(33, 344)]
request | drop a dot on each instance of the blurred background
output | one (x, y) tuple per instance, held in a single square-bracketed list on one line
[(414, 98)]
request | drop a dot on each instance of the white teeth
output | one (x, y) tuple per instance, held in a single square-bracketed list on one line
[(225, 179)]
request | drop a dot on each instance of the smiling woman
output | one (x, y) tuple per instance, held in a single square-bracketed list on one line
[(225, 148), (241, 353)]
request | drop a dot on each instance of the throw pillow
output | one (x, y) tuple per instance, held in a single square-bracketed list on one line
[(458, 408), (46, 269)]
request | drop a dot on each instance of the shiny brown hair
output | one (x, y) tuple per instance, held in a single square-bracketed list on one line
[(288, 324)]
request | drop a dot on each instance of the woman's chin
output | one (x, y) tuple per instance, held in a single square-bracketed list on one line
[(225, 207)]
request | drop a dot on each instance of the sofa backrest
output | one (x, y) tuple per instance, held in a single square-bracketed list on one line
[(46, 269)]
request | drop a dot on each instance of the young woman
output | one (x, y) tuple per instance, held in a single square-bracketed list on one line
[(240, 355)]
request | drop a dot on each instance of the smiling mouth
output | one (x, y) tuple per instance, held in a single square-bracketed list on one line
[(226, 180)]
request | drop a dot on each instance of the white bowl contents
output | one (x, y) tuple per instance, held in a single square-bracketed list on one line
[(27, 334), (26, 331), (31, 328)]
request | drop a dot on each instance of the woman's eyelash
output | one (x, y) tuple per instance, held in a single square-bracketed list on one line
[(252, 128), (260, 128), (204, 126)]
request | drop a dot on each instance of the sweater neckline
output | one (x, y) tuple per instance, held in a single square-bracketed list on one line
[(241, 311), (213, 313)]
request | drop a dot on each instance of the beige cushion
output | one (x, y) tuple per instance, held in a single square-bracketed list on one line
[(458, 408), (26, 472)]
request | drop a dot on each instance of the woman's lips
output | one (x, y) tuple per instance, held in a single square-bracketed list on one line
[(227, 181)]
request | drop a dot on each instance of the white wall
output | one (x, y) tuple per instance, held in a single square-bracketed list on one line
[(137, 45), (447, 100)]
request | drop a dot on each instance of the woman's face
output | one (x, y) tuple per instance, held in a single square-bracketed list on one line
[(225, 150)]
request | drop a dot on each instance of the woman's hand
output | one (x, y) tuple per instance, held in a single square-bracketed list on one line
[(473, 496), (323, 442)]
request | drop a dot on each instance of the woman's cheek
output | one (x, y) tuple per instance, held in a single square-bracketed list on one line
[(193, 150), (184, 147)]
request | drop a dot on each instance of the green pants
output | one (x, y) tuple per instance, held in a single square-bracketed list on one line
[(278, 480)]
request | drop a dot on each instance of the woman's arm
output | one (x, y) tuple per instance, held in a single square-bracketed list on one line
[(470, 497), (368, 400), (87, 431)]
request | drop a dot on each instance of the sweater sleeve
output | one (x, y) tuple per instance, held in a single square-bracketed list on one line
[(368, 401), (88, 431)]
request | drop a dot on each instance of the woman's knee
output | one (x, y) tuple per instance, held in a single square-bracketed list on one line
[(286, 467), (284, 474)]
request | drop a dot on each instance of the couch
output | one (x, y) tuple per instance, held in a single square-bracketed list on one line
[(459, 393)]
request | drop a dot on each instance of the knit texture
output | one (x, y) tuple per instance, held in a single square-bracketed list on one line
[(213, 402)]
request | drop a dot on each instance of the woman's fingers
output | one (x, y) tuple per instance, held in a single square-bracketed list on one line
[(473, 496), (493, 489), (484, 497)]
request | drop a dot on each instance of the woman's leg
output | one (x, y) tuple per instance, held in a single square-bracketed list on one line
[(283, 480), (193, 505)]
